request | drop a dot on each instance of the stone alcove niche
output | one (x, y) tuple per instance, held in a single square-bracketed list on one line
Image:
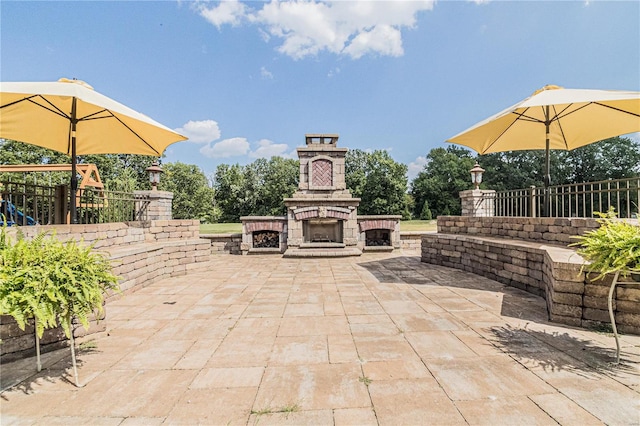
[(266, 239), (378, 238)]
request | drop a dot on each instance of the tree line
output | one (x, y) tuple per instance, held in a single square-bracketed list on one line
[(379, 181)]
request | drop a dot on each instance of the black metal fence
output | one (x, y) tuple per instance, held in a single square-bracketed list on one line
[(101, 206), (573, 200), (26, 204)]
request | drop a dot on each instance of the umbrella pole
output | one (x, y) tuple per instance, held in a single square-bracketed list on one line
[(547, 175), (74, 159)]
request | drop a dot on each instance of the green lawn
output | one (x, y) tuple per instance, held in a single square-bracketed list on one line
[(236, 228), (418, 225), (221, 228)]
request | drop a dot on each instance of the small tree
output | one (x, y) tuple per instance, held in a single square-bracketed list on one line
[(425, 214)]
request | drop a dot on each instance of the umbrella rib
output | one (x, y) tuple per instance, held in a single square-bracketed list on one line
[(524, 117), (617, 109), (503, 132), (54, 109), (558, 115), (557, 118), (112, 115)]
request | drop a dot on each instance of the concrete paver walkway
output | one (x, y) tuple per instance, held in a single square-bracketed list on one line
[(379, 339)]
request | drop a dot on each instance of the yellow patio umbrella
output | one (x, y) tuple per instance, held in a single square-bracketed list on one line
[(70, 117), (555, 118)]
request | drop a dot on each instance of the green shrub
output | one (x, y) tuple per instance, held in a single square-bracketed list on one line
[(613, 247)]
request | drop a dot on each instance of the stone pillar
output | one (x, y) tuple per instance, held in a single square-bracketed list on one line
[(478, 202), (160, 203)]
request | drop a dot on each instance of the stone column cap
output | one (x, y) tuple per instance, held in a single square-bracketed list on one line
[(155, 194)]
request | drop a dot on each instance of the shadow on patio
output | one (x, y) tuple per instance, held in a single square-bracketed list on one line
[(538, 341)]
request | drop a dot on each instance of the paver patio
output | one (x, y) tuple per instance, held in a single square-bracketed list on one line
[(378, 339)]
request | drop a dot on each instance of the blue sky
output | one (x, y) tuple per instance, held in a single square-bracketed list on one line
[(248, 79)]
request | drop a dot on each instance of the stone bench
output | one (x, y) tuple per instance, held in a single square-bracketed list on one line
[(553, 272), (139, 264)]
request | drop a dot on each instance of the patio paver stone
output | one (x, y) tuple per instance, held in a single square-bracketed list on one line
[(378, 339)]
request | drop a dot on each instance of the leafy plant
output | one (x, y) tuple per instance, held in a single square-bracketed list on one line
[(613, 247), (52, 282)]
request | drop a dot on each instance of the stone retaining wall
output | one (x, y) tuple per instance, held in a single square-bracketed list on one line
[(224, 243), (140, 252), (553, 271), (412, 240), (544, 230), (106, 235)]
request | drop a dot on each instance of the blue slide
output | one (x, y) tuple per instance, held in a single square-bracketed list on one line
[(13, 215)]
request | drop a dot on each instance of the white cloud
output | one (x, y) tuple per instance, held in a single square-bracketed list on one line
[(268, 149), (333, 72), (207, 132), (382, 39), (416, 167), (204, 131), (266, 74), (306, 28), (229, 12), (226, 148)]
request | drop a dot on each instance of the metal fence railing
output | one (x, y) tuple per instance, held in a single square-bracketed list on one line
[(24, 204), (101, 206), (27, 204), (573, 200)]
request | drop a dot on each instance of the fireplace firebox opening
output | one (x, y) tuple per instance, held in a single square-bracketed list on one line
[(378, 237), (266, 239), (322, 231)]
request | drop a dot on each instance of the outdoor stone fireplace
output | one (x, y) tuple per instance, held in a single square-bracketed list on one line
[(322, 214)]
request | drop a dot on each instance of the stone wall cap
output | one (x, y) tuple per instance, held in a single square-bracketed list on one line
[(417, 233), (379, 216), (322, 201), (234, 234), (321, 147), (477, 192), (263, 218), (155, 194)]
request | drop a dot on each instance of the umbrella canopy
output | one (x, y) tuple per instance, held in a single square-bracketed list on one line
[(70, 117), (575, 118), (555, 118)]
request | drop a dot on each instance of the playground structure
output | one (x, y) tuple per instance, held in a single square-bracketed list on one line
[(90, 179)]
